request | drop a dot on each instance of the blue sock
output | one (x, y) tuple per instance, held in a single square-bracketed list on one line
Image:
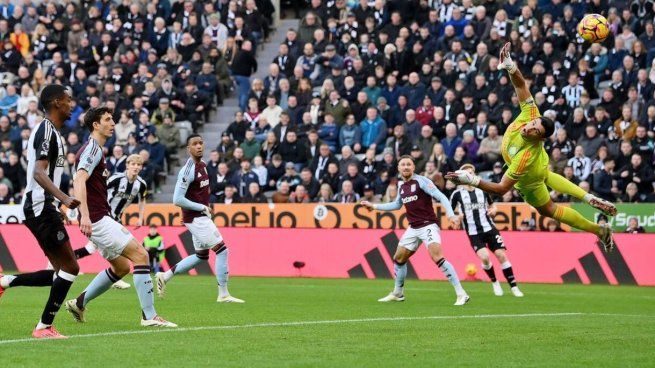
[(222, 270), (143, 286), (449, 271), (401, 273), (184, 266), (101, 283)]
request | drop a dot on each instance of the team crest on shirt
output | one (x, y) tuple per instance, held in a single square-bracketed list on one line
[(60, 235), (60, 161), (512, 151), (412, 189)]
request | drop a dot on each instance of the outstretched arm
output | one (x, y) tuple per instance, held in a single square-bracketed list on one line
[(465, 177), (428, 186), (515, 75), (389, 206)]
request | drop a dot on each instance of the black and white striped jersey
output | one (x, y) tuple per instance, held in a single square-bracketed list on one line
[(121, 193), (45, 143), (473, 204), (572, 95)]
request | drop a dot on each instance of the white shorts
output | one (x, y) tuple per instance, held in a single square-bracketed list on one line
[(204, 232), (412, 238), (110, 237)]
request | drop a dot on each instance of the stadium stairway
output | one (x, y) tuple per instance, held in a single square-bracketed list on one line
[(224, 115)]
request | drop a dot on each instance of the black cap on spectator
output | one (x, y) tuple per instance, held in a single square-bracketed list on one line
[(368, 188), (498, 165), (92, 85), (225, 134), (416, 148)]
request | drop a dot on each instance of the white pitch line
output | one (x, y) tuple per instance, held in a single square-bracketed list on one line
[(292, 324)]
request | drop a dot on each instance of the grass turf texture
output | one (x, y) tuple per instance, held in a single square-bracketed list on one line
[(555, 325)]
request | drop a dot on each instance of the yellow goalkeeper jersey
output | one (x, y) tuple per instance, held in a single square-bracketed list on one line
[(527, 161)]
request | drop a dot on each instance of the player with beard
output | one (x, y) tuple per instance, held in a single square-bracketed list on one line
[(416, 193)]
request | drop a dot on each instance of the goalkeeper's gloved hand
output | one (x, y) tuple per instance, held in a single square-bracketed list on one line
[(506, 61), (465, 177)]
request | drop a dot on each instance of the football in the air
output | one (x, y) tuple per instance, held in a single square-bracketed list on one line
[(471, 270), (593, 28)]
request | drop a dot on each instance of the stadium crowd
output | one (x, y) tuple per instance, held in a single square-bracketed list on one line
[(354, 86), (162, 66), (359, 83)]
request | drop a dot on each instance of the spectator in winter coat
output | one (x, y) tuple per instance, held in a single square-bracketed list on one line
[(293, 150), (451, 141), (250, 146), (157, 152), (329, 132), (350, 134), (374, 130), (169, 136)]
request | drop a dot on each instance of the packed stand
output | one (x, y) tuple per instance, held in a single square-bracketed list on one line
[(357, 84), (162, 66)]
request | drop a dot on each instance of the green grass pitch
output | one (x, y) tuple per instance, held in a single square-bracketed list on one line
[(339, 323)]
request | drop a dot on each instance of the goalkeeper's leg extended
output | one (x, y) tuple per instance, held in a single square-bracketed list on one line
[(574, 219), (561, 185)]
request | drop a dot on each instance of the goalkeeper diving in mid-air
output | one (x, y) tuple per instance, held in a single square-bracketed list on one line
[(524, 154)]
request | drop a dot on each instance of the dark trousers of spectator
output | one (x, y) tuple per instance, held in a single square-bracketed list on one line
[(243, 88), (153, 255)]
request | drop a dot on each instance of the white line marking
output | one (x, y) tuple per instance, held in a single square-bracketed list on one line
[(297, 323)]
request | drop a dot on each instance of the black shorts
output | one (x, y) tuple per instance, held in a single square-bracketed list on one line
[(48, 229), (491, 239)]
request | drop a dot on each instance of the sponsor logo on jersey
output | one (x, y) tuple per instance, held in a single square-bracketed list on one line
[(204, 183), (410, 198), (475, 206), (129, 197)]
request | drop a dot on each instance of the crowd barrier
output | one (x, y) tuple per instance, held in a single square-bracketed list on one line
[(557, 257)]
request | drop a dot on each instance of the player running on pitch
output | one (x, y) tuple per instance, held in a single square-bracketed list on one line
[(45, 157), (114, 241), (416, 193), (123, 189), (192, 195), (477, 210), (523, 151)]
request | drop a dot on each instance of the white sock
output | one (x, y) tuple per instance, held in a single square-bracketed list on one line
[(41, 326), (168, 275), (6, 280), (222, 272)]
